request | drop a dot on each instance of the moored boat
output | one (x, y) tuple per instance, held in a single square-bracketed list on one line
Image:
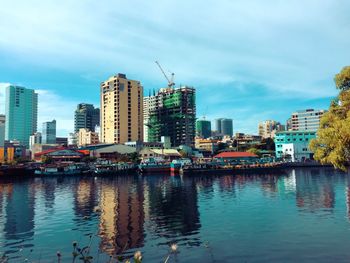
[(62, 169)]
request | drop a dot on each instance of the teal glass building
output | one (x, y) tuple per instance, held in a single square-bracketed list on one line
[(21, 109), (294, 144)]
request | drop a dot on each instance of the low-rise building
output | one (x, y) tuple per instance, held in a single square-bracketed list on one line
[(138, 145), (165, 154), (237, 157), (87, 137), (61, 154), (294, 145), (206, 144)]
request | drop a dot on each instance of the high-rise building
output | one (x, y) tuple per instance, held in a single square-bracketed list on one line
[(173, 114), (306, 120), (203, 129), (218, 128), (21, 114), (121, 110), (2, 129), (226, 127), (86, 116), (268, 128), (49, 132)]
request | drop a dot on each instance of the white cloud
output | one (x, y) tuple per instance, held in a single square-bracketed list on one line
[(292, 48), (288, 46), (53, 106)]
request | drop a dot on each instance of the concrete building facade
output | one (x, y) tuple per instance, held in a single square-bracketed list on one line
[(121, 110), (86, 116), (49, 132), (87, 137), (306, 120), (268, 128), (294, 145), (21, 114), (36, 138)]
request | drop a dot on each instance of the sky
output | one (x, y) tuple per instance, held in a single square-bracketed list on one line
[(249, 60)]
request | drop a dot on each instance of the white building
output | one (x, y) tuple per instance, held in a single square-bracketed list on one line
[(306, 120), (36, 138), (297, 152)]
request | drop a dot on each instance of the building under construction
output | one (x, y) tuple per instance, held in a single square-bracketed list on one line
[(171, 112)]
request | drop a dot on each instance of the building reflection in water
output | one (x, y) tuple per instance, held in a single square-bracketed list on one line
[(17, 215), (122, 216), (314, 194), (173, 207), (85, 197)]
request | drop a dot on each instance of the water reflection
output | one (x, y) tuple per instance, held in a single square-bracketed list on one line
[(122, 215), (173, 207), (132, 212)]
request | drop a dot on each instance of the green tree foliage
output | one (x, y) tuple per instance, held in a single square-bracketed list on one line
[(332, 144), (342, 79), (268, 144), (254, 151)]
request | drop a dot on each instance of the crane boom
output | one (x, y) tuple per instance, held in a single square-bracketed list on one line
[(170, 81)]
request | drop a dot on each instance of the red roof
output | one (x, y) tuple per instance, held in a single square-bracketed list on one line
[(50, 151), (234, 155)]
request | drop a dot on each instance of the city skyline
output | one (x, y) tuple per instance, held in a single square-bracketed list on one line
[(231, 57)]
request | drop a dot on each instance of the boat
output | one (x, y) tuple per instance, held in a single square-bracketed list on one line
[(16, 170), (177, 164), (117, 168), (62, 169), (153, 165)]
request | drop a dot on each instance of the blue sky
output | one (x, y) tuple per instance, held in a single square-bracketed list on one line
[(250, 60)]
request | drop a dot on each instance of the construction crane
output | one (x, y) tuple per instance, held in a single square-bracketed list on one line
[(170, 80)]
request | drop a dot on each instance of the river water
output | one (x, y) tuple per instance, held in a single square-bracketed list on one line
[(303, 215)]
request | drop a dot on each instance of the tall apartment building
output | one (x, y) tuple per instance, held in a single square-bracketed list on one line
[(2, 129), (49, 132), (86, 116), (121, 110), (172, 114), (268, 128), (203, 129), (224, 126), (21, 114), (306, 120)]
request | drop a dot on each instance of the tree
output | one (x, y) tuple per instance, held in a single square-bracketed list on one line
[(342, 79), (332, 144), (268, 144), (254, 151)]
